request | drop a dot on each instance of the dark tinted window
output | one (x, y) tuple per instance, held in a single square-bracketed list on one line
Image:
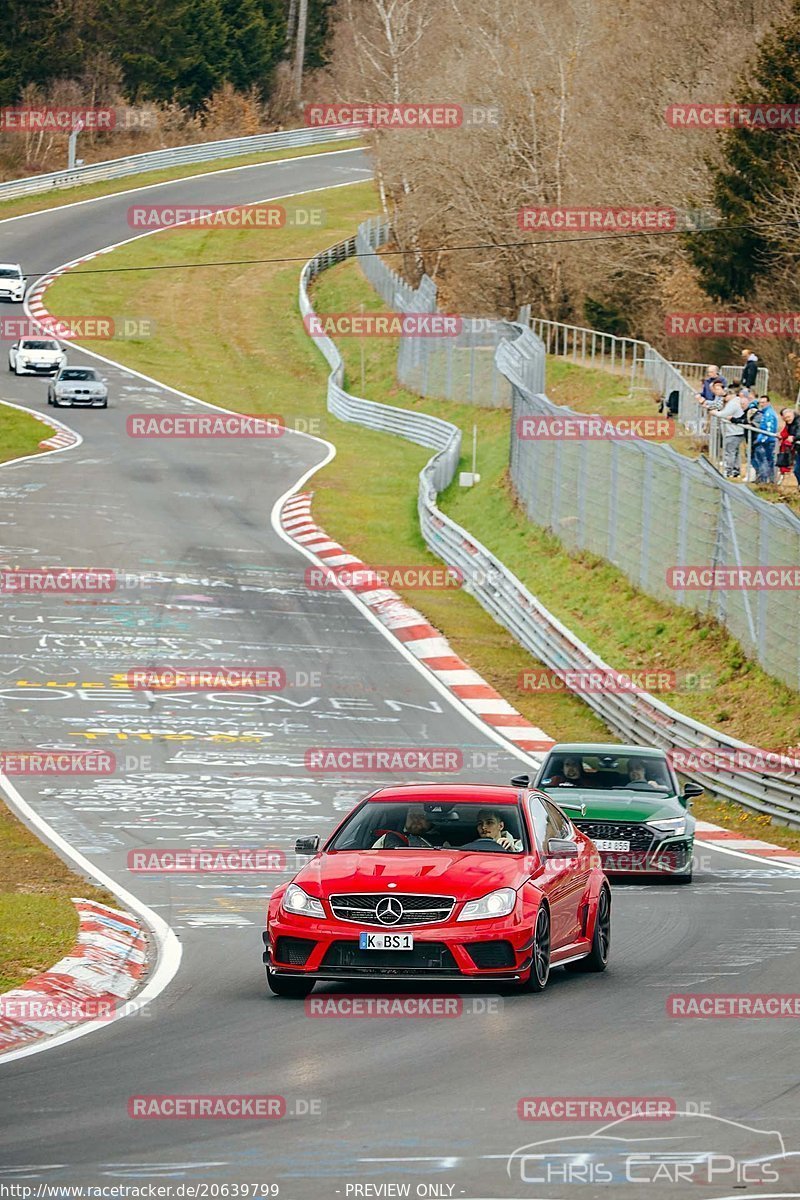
[(557, 823), (400, 825)]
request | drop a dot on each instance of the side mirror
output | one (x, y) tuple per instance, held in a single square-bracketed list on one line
[(562, 848), (521, 781), (578, 808), (307, 845), (691, 789), (15, 346)]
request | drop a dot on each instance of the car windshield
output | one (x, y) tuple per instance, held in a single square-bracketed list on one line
[(442, 826), (31, 345), (83, 373), (9, 273), (607, 773)]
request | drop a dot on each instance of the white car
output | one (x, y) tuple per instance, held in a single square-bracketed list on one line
[(36, 356), (12, 282)]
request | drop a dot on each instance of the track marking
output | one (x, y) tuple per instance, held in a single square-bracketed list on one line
[(146, 187)]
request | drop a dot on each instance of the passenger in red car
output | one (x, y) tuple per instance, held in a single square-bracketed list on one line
[(491, 828)]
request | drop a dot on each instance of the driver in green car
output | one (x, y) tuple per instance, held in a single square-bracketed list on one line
[(572, 774), (637, 774)]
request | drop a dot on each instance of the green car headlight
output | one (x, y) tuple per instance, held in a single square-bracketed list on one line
[(674, 825), (495, 904)]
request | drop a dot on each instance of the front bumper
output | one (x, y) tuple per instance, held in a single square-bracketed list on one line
[(38, 368), (82, 401), (327, 949), (669, 856)]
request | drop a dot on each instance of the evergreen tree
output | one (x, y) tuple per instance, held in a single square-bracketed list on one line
[(141, 38), (757, 165), (202, 47), (38, 44), (320, 16), (256, 32)]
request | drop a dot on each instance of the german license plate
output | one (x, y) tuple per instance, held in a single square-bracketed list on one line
[(386, 941), (609, 844)]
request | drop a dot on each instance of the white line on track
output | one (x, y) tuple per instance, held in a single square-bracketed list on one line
[(169, 950), (169, 953), (750, 857), (145, 187)]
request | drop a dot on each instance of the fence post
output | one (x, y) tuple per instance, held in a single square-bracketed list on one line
[(647, 510), (613, 498)]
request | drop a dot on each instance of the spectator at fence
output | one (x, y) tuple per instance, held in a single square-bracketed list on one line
[(733, 417), (789, 448), (713, 376), (764, 446), (752, 419), (716, 399), (750, 368)]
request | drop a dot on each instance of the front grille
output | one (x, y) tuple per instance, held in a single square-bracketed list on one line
[(293, 951), (488, 955), (429, 957), (639, 836), (359, 908)]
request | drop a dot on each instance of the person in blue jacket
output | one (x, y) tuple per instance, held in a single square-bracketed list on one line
[(766, 439)]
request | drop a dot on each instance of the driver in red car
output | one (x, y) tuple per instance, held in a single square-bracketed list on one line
[(417, 823)]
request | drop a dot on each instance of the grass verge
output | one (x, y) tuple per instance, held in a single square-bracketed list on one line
[(20, 434), (110, 187), (38, 921), (257, 358)]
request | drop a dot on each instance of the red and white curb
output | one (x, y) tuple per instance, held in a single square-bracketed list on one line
[(731, 839), (90, 984), (61, 439), (435, 653), (37, 309), (409, 626)]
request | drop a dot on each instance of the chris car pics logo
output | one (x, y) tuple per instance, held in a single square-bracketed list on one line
[(719, 1156)]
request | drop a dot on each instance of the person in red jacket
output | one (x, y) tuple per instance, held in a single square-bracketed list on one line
[(789, 444)]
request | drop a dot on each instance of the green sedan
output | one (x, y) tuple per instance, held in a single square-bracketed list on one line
[(634, 809)]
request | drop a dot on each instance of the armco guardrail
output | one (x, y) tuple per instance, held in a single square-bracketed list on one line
[(174, 156), (641, 719)]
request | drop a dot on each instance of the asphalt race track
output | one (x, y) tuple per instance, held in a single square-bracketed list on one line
[(426, 1103)]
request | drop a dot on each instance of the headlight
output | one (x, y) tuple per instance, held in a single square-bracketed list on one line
[(676, 825), (496, 904), (295, 900)]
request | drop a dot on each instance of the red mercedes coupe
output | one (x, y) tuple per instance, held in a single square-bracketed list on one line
[(442, 883)]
